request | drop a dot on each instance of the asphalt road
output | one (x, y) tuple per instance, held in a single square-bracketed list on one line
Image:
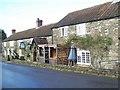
[(18, 76)]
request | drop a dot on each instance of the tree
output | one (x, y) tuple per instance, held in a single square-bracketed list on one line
[(2, 34)]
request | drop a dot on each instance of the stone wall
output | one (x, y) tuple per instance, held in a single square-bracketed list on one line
[(103, 28), (25, 53), (106, 28), (49, 39), (57, 39)]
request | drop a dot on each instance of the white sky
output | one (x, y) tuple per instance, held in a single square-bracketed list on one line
[(22, 14)]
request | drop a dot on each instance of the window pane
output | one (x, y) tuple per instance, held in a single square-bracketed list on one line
[(65, 31), (87, 58), (22, 45), (81, 29), (79, 59), (62, 32), (41, 51), (83, 57), (78, 30)]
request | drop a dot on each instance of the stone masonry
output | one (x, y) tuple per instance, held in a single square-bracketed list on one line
[(107, 27)]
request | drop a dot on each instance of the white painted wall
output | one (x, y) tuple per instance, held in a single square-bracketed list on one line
[(12, 43), (8, 52), (20, 52), (5, 44)]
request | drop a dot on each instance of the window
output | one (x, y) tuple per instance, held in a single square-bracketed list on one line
[(83, 57), (79, 58), (22, 45), (87, 57), (52, 52), (64, 31), (5, 44), (81, 29), (41, 51), (12, 43)]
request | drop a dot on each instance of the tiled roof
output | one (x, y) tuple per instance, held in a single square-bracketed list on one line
[(99, 12), (42, 31), (39, 41), (21, 35)]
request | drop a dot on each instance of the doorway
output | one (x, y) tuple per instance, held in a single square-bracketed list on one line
[(34, 54), (46, 54)]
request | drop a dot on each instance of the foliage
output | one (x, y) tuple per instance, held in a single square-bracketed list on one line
[(2, 34), (98, 46), (80, 42)]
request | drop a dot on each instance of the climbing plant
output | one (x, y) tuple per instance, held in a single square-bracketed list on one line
[(99, 46)]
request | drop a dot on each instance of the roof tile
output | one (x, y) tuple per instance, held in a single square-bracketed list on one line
[(99, 12)]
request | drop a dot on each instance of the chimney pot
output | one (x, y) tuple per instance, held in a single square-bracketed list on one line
[(39, 22), (13, 31)]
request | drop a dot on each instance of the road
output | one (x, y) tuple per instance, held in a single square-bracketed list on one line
[(18, 76)]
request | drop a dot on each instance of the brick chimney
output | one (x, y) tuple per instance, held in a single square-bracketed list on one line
[(13, 31), (39, 22)]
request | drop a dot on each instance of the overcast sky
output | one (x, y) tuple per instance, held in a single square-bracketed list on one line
[(22, 14)]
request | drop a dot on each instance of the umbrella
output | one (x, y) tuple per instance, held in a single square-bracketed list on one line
[(72, 54)]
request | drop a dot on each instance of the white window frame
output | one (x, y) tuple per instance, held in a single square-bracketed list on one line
[(81, 29), (83, 59), (64, 31)]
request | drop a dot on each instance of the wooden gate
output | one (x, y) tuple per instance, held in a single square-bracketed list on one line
[(62, 55)]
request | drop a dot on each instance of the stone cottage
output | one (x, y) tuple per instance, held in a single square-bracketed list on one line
[(33, 44), (97, 20)]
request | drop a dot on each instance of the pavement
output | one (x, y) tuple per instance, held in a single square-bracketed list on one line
[(19, 76)]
